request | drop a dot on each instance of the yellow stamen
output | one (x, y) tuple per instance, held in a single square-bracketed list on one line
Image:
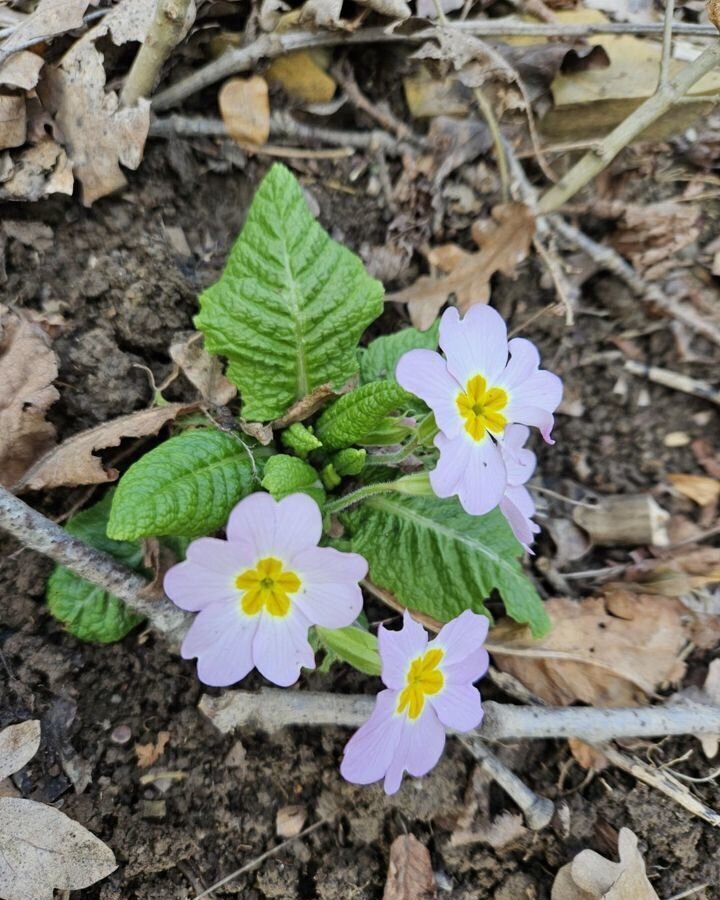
[(267, 586), (423, 679), (481, 408)]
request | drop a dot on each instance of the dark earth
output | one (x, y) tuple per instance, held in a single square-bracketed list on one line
[(125, 290)]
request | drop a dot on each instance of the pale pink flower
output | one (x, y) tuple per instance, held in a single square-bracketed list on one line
[(517, 505), (429, 688), (258, 592), (482, 385)]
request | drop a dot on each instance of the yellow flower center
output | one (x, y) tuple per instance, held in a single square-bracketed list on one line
[(481, 407), (423, 678), (268, 587)]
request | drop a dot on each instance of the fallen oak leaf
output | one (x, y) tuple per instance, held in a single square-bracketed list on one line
[(604, 651), (503, 244), (149, 754), (592, 877), (74, 462), (410, 875), (28, 367), (699, 488)]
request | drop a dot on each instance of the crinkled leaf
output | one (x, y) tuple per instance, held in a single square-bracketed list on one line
[(349, 461), (380, 358), (186, 486), (42, 849), (300, 439), (287, 475), (440, 561), (18, 744), (352, 645), (290, 306), (86, 610), (354, 415)]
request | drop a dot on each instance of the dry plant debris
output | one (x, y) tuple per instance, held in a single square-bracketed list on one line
[(604, 651), (290, 820), (149, 754), (41, 849), (203, 371), (592, 877), (245, 109), (708, 693), (410, 875), (74, 461), (28, 368), (699, 488), (504, 243)]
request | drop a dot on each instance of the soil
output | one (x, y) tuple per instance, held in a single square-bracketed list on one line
[(210, 803)]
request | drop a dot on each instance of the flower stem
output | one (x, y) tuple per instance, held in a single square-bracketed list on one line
[(368, 490)]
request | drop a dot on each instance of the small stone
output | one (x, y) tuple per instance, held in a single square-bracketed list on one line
[(154, 809), (236, 756), (677, 439), (121, 735), (290, 820)]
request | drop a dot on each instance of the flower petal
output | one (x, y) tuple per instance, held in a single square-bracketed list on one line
[(535, 400), (458, 706), (468, 670), (194, 587), (518, 508), (475, 471), (420, 747), (281, 647), (519, 462), (330, 605), (221, 637), (254, 521), (399, 648), (299, 525), (524, 361), (461, 637), (369, 752), (325, 565), (425, 374), (474, 344)]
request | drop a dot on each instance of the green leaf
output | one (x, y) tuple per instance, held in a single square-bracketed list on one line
[(358, 413), (87, 611), (186, 486), (380, 358), (300, 439), (353, 645), (290, 306), (349, 461), (439, 560), (287, 475)]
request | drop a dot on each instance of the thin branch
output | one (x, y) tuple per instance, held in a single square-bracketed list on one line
[(632, 127), (271, 709), (242, 59), (676, 381), (38, 533), (488, 113), (170, 24), (667, 44)]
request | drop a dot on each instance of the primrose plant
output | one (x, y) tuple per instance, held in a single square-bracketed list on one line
[(402, 461)]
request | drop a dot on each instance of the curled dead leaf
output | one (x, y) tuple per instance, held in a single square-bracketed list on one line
[(201, 369), (28, 367), (503, 243), (149, 754), (74, 462), (699, 488), (592, 877), (18, 744), (37, 172), (410, 875), (307, 406), (604, 651)]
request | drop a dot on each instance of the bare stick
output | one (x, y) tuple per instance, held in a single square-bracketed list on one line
[(267, 46), (675, 380), (270, 709), (171, 23), (37, 532), (667, 43), (607, 149)]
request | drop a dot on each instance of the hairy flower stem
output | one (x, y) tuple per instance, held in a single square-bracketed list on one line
[(369, 490)]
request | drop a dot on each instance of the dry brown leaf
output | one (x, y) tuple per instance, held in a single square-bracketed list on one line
[(410, 875), (149, 754), (504, 243), (310, 404), (21, 70), (587, 756), (13, 121), (302, 77), (37, 172), (505, 829), (713, 12), (699, 488), (50, 17), (592, 877), (245, 109), (74, 462), (201, 369), (18, 744), (290, 820), (28, 367), (652, 236), (610, 651)]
